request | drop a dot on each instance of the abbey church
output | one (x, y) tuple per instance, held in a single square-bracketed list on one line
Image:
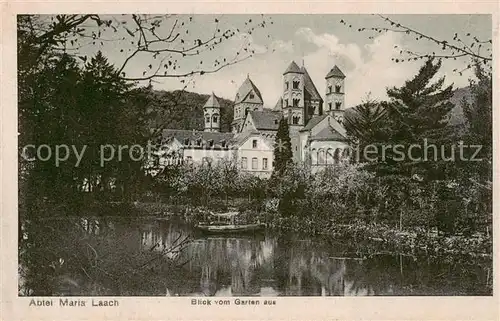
[(315, 124)]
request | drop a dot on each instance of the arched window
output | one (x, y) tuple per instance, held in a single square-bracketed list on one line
[(215, 118), (329, 156), (336, 155), (207, 118), (321, 157), (338, 105), (346, 153), (296, 102), (314, 157), (337, 88), (296, 84)]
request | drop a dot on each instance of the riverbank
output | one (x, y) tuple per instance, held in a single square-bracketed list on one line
[(407, 242), (390, 239)]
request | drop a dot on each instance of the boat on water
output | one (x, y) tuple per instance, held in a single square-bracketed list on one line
[(230, 228), (226, 223)]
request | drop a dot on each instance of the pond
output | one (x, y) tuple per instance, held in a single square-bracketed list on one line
[(153, 257)]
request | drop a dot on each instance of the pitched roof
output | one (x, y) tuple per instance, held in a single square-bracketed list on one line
[(266, 119), (212, 101), (309, 85), (313, 122), (329, 133), (335, 72), (242, 137), (293, 67), (279, 105), (193, 135), (245, 89)]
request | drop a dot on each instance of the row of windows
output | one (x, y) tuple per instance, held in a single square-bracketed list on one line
[(255, 163), (329, 156), (295, 102), (215, 118), (337, 105), (295, 84), (337, 89), (199, 142)]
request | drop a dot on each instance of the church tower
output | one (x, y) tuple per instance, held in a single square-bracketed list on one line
[(293, 95), (247, 98), (211, 113), (335, 92)]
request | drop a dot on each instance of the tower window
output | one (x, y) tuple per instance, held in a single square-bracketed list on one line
[(296, 102), (329, 106), (254, 143), (337, 89), (252, 96), (215, 119), (285, 102), (296, 84), (295, 120), (286, 85), (338, 105), (211, 143), (207, 119), (329, 89)]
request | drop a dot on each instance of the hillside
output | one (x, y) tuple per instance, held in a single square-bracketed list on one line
[(456, 114), (183, 110)]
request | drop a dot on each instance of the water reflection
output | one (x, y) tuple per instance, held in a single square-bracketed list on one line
[(261, 265)]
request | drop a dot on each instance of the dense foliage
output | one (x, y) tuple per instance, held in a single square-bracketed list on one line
[(282, 147)]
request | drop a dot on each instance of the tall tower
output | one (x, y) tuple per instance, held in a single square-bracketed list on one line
[(247, 98), (335, 92), (211, 113), (293, 95)]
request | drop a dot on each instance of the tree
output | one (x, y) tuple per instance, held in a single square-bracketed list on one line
[(163, 40), (479, 119), (468, 46), (69, 93), (363, 126), (282, 147), (417, 113)]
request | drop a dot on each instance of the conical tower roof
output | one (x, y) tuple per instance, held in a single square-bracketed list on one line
[(293, 67), (335, 72), (212, 101)]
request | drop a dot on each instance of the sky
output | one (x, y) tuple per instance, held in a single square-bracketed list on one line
[(317, 41)]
